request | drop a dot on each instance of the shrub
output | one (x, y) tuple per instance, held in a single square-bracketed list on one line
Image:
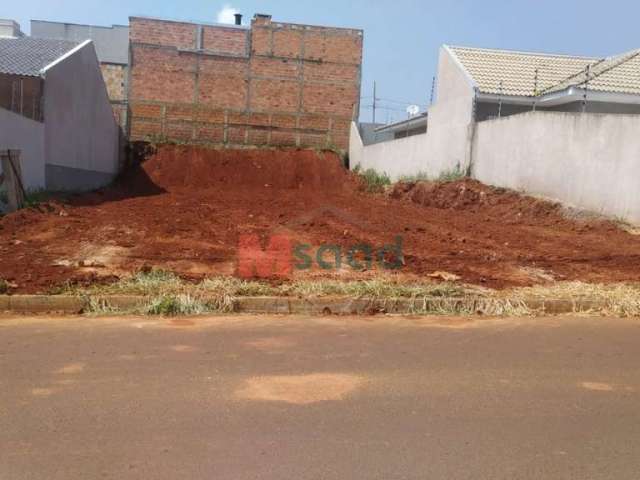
[(374, 181), (418, 177), (176, 305), (451, 175), (446, 176)]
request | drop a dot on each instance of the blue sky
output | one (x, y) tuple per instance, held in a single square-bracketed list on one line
[(402, 37)]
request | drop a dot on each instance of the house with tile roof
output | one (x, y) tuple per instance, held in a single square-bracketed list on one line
[(479, 84), (54, 108), (507, 82), (559, 126)]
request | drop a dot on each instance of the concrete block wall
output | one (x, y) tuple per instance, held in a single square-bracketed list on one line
[(271, 84), (586, 160), (115, 79)]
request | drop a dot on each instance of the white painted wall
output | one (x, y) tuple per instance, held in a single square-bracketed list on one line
[(590, 161), (21, 133), (445, 146), (356, 147), (81, 132), (394, 157)]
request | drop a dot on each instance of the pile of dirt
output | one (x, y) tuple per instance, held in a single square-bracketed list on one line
[(510, 206), (180, 168), (185, 209)]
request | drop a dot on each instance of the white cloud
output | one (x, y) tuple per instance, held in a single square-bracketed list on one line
[(226, 15)]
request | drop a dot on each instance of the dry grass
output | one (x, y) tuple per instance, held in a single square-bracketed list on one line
[(170, 295), (486, 306), (375, 288), (159, 283), (618, 299)]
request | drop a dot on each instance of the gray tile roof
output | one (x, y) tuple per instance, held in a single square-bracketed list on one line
[(27, 56)]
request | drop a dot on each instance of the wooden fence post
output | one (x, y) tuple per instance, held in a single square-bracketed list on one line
[(12, 173)]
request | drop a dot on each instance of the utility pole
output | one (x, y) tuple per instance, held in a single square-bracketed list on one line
[(535, 89), (433, 88), (374, 101), (586, 88)]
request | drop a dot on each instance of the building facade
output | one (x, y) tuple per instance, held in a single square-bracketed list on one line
[(54, 108), (268, 84), (112, 47)]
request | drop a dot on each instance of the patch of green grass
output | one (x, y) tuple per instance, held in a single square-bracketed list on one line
[(165, 305), (373, 180), (418, 177), (451, 175), (169, 306), (37, 197), (172, 295), (446, 176), (153, 282)]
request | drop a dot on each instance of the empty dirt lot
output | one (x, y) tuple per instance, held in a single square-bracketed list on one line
[(185, 208)]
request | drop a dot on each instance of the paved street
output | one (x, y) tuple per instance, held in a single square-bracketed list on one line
[(319, 398)]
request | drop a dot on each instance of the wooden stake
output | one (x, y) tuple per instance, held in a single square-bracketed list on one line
[(12, 173)]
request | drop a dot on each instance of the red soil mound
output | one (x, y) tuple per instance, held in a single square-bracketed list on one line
[(184, 168), (185, 209), (510, 206)]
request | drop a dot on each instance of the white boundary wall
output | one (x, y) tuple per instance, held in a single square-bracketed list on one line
[(590, 161), (405, 156), (21, 133), (443, 148)]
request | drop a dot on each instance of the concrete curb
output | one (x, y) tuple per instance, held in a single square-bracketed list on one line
[(25, 304), (42, 304)]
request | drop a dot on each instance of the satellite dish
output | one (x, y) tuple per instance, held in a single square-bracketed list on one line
[(413, 110)]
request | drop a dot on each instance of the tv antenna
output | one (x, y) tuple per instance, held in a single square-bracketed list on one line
[(413, 110)]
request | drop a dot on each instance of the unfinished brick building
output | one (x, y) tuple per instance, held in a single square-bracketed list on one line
[(271, 84)]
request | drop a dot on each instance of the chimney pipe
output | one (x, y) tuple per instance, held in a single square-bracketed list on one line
[(238, 18)]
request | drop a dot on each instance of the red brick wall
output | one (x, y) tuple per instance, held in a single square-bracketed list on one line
[(231, 41), (273, 84)]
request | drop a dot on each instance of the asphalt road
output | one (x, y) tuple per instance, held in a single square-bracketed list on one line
[(319, 398)]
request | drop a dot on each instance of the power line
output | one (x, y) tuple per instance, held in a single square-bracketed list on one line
[(379, 107), (389, 100), (374, 102), (364, 97), (398, 101)]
